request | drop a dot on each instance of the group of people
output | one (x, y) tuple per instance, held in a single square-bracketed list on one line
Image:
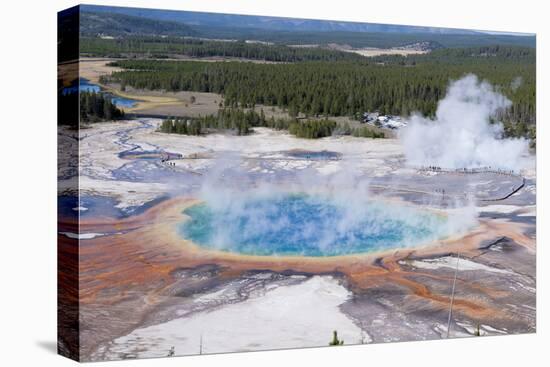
[(168, 163), (471, 170)]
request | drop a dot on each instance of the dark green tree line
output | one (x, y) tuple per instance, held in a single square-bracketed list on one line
[(242, 123), (312, 129), (95, 107), (157, 47), (334, 88)]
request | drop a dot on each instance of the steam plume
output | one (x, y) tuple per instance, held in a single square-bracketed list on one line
[(461, 135)]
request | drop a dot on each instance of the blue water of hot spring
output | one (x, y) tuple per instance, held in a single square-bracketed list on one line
[(84, 85), (306, 225)]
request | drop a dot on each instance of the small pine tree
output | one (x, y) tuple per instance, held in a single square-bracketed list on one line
[(478, 331), (335, 341)]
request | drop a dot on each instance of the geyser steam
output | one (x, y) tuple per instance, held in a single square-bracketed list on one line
[(461, 135)]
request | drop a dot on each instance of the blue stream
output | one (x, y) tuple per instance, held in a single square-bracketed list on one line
[(86, 86)]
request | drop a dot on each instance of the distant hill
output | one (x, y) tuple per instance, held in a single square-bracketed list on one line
[(366, 39), (268, 23), (117, 25), (118, 22)]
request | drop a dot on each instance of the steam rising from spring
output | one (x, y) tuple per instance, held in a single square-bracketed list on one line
[(310, 214), (461, 135)]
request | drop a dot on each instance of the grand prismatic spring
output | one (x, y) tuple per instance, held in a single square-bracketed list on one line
[(304, 225), (221, 195)]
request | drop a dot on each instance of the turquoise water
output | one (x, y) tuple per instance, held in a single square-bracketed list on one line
[(303, 225), (123, 102), (321, 155), (85, 85)]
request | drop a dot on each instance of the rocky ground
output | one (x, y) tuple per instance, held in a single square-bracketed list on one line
[(197, 302)]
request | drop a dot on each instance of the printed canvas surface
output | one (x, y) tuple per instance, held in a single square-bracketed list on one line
[(240, 183)]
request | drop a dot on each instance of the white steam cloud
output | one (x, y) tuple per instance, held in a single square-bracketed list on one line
[(461, 135), (346, 191)]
